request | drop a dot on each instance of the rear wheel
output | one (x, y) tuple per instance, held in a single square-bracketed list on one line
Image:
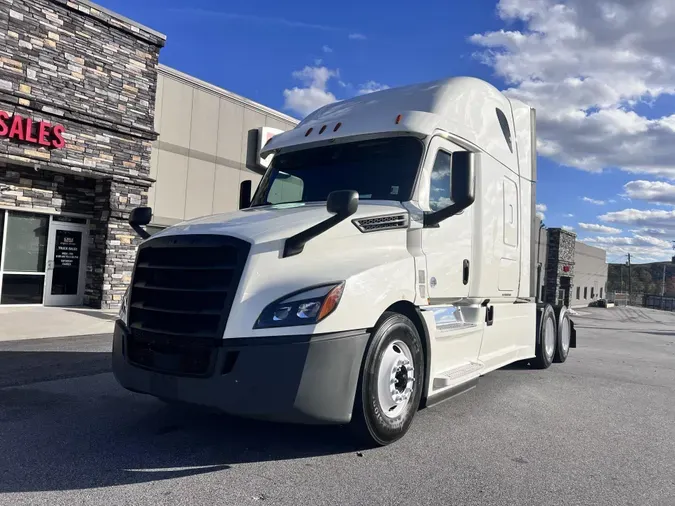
[(546, 338), (390, 385), (562, 348)]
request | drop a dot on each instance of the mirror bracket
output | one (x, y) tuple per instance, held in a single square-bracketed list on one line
[(343, 203)]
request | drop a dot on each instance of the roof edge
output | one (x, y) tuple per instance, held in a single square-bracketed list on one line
[(114, 15), (181, 76)]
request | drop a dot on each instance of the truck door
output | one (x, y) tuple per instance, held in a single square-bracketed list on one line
[(448, 246)]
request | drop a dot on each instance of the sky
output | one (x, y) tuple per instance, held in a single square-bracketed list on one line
[(601, 75)]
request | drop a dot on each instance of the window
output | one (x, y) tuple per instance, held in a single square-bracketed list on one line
[(439, 189), (601, 292), (285, 188), (378, 169), (578, 292), (504, 124), (592, 292), (585, 292)]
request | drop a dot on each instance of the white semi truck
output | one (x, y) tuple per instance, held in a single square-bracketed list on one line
[(384, 264)]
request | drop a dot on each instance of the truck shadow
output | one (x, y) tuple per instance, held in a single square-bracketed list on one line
[(87, 432)]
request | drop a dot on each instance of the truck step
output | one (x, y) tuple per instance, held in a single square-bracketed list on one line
[(448, 378)]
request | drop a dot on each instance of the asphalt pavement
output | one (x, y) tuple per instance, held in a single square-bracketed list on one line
[(599, 429)]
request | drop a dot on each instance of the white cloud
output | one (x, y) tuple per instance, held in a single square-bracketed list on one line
[(568, 215), (568, 228), (593, 201), (600, 229), (585, 65), (357, 36), (641, 248), (315, 94), (327, 49), (658, 192), (648, 219), (541, 208), (370, 87)]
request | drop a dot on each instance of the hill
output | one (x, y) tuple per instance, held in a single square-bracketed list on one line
[(646, 278)]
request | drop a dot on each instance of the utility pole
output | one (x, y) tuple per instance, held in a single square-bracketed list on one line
[(663, 283), (629, 281)]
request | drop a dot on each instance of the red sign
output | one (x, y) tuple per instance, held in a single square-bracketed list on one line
[(35, 132)]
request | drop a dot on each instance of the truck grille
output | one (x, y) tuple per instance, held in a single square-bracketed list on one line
[(181, 294)]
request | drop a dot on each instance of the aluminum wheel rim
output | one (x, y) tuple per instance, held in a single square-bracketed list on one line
[(549, 337), (565, 337), (395, 379)]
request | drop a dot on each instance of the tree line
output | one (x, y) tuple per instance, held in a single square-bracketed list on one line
[(645, 278)]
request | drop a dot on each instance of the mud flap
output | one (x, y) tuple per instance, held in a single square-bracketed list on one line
[(573, 335)]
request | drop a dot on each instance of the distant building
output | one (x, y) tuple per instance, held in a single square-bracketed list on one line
[(567, 270)]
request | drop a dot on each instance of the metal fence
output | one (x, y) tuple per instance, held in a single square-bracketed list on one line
[(659, 302), (649, 301)]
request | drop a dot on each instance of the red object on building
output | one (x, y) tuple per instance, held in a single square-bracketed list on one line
[(566, 268), (23, 129)]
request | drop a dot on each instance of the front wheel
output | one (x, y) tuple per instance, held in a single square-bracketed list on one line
[(391, 381)]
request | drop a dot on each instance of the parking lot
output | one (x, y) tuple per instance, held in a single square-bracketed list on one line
[(599, 429)]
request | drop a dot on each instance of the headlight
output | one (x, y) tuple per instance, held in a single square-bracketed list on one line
[(124, 308), (305, 307)]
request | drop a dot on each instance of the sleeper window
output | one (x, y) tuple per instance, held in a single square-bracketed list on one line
[(439, 190)]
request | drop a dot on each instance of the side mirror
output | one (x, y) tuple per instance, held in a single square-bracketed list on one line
[(245, 194), (463, 187), (344, 203), (140, 217)]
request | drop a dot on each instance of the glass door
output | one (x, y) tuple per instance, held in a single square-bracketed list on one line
[(66, 264), (24, 252)]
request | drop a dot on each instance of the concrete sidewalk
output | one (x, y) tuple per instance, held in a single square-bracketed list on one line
[(39, 322)]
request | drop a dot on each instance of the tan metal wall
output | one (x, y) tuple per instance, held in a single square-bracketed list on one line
[(590, 274), (200, 157)]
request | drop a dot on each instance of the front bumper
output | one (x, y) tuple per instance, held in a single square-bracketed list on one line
[(300, 379)]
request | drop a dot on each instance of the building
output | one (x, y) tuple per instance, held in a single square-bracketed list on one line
[(77, 94), (568, 270), (203, 151)]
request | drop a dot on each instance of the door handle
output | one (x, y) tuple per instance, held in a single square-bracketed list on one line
[(465, 272)]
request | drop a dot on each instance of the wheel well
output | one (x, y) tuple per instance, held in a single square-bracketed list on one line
[(411, 311)]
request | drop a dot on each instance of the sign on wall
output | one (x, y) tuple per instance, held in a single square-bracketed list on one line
[(23, 129), (264, 136)]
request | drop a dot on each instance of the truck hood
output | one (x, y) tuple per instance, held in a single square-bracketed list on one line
[(275, 222)]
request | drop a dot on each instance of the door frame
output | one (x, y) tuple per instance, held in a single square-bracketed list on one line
[(65, 300)]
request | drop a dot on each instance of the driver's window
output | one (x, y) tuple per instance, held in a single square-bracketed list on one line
[(439, 189), (285, 188)]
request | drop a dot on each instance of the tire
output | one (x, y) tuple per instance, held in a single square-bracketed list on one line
[(562, 348), (395, 353), (546, 333)]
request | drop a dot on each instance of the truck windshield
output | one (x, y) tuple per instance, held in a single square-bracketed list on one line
[(379, 169)]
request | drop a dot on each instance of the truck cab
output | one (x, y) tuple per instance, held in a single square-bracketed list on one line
[(384, 263)]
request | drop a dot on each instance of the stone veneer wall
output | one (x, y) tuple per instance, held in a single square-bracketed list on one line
[(561, 245), (64, 61)]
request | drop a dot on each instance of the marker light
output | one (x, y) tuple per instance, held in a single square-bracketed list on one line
[(323, 129), (399, 118), (308, 132), (337, 127)]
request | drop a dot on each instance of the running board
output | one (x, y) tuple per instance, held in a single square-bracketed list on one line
[(445, 395), (448, 378)]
